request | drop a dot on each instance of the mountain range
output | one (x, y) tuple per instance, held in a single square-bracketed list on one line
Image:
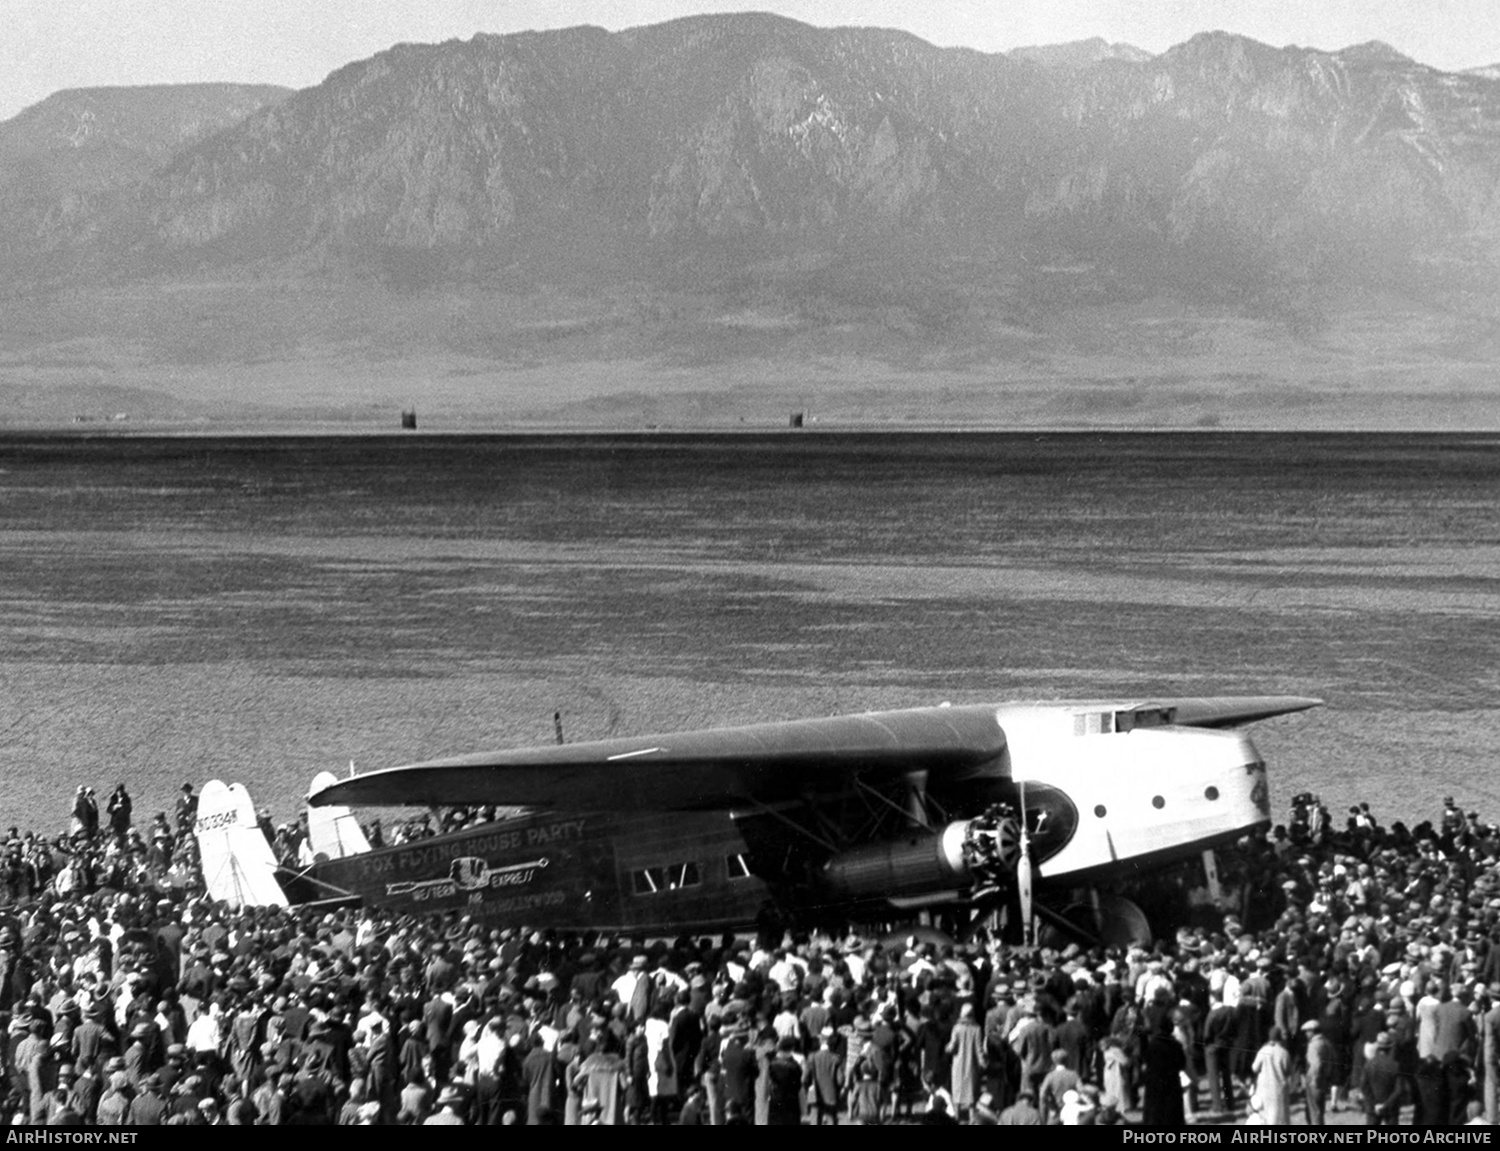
[(722, 217)]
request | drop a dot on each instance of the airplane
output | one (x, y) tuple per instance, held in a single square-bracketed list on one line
[(1051, 809)]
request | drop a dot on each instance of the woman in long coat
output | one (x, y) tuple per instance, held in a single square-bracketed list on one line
[(1117, 1078), (1273, 1071), (967, 1061), (600, 1082), (864, 1087)]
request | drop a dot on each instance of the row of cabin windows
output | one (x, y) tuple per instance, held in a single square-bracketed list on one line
[(1110, 722), (676, 876)]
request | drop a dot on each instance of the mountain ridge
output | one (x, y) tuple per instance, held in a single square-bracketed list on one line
[(697, 187)]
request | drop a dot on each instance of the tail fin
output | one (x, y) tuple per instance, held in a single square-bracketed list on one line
[(333, 831), (238, 865)]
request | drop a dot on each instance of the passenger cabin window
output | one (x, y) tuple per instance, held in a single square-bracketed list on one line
[(1109, 722), (669, 877), (1145, 717), (1094, 723), (735, 866)]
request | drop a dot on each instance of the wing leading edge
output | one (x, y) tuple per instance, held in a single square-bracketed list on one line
[(730, 768), (1232, 711), (713, 769)]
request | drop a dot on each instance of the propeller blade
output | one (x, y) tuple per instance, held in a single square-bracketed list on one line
[(1024, 877), (1023, 888)]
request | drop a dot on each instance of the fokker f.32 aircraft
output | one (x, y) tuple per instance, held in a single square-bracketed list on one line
[(862, 817)]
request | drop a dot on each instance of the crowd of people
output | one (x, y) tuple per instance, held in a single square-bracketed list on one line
[(1360, 970)]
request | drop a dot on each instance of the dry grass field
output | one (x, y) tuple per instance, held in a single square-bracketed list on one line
[(263, 610)]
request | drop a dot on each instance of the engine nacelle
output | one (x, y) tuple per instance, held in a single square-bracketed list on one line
[(965, 853)]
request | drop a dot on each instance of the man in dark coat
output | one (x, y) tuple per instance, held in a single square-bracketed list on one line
[(1165, 1062), (1219, 1031), (1382, 1085), (1021, 1113), (119, 809), (539, 1074), (92, 1041), (1489, 1051), (824, 1078), (1073, 1039), (1001, 1068), (84, 1091), (785, 1094), (149, 1108), (437, 1019), (740, 1071), (187, 809), (684, 1037)]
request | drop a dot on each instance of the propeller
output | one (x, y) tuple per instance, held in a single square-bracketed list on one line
[(1024, 877)]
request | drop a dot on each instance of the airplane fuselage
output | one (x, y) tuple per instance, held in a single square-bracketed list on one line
[(1105, 795), (582, 870)]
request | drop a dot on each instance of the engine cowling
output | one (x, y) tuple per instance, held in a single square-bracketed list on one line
[(965, 853)]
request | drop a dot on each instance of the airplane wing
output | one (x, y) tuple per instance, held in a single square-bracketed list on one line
[(1232, 711), (732, 768), (715, 769)]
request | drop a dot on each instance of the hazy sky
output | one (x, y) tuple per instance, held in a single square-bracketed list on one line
[(52, 44)]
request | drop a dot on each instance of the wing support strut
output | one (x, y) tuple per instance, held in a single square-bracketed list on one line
[(766, 809), (912, 813), (306, 873)]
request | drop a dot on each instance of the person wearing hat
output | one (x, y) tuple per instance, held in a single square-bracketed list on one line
[(442, 973), (149, 1108), (823, 1077), (209, 1114), (1489, 1039), (984, 1113), (1319, 1076), (1382, 1084), (187, 809), (271, 1099), (60, 1111), (863, 1078), (449, 1102), (114, 1104), (738, 1066), (119, 810), (539, 1078), (80, 823), (966, 1055), (439, 1032), (600, 1083), (635, 989), (785, 1085), (31, 1066), (84, 1089)]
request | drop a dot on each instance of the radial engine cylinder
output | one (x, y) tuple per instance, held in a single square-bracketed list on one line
[(963, 853)]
